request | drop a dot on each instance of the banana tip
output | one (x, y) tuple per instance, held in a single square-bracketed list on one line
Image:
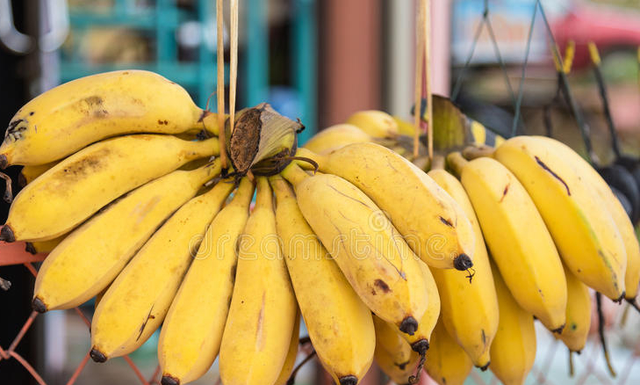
[(619, 300), (38, 305), (4, 161), (29, 248), (485, 367), (420, 346), (348, 380), (462, 262), (169, 380), (409, 325), (6, 234), (97, 355), (558, 330)]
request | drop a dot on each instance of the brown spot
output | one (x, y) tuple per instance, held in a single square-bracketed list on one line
[(85, 166), (402, 365), (546, 168), (161, 122), (382, 285), (446, 222), (31, 113), (144, 324), (93, 101), (125, 73), (505, 191)]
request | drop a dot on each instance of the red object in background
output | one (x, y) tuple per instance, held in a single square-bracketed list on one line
[(610, 28)]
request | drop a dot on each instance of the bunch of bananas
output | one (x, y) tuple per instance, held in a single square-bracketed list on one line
[(382, 260)]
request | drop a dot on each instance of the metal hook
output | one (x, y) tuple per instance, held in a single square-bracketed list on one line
[(10, 37)]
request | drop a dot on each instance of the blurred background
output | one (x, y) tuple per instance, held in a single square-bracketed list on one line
[(320, 61)]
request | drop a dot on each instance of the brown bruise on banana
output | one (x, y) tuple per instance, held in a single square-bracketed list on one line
[(505, 191), (550, 171), (144, 324)]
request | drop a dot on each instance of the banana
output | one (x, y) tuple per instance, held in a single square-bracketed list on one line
[(469, 309), (339, 324), (44, 246), (432, 223), (517, 238), (615, 208), (90, 257), (513, 350), (585, 233), (447, 363), (29, 173), (575, 334), (419, 341), (192, 331), (138, 300), (372, 255), (392, 353), (73, 190), (378, 124), (335, 137), (75, 114), (263, 308), (292, 354), (405, 127)]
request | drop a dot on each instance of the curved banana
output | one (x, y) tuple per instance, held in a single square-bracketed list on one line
[(392, 353), (615, 208), (75, 114), (575, 334), (263, 308), (292, 355), (469, 309), (376, 123), (44, 246), (29, 173), (585, 233), (138, 300), (432, 223), (73, 190), (335, 137), (517, 238), (80, 267), (192, 331), (405, 127), (513, 350), (447, 363), (374, 258), (339, 324)]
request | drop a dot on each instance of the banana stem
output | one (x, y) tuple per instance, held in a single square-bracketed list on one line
[(294, 174), (292, 378), (281, 188), (438, 162), (415, 378), (263, 197), (480, 151), (571, 369), (601, 334), (456, 162), (8, 192), (244, 193), (321, 160)]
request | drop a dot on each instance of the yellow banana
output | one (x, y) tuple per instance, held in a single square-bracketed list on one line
[(613, 205), (192, 331), (90, 257), (339, 324), (392, 353), (29, 173), (513, 350), (517, 238), (432, 223), (378, 124), (263, 308), (69, 117), (73, 190), (447, 363), (404, 127), (44, 246), (469, 309), (292, 354), (575, 334), (138, 300), (335, 137), (372, 255)]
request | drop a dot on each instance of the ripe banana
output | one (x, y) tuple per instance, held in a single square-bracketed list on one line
[(372, 255), (615, 208), (405, 127), (263, 308), (29, 173), (447, 363), (192, 331), (138, 300), (44, 246), (586, 235), (513, 350), (517, 238), (339, 324), (469, 309), (80, 267), (73, 190), (575, 334), (378, 124), (71, 116), (432, 223), (335, 137), (292, 354), (419, 341), (392, 353)]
